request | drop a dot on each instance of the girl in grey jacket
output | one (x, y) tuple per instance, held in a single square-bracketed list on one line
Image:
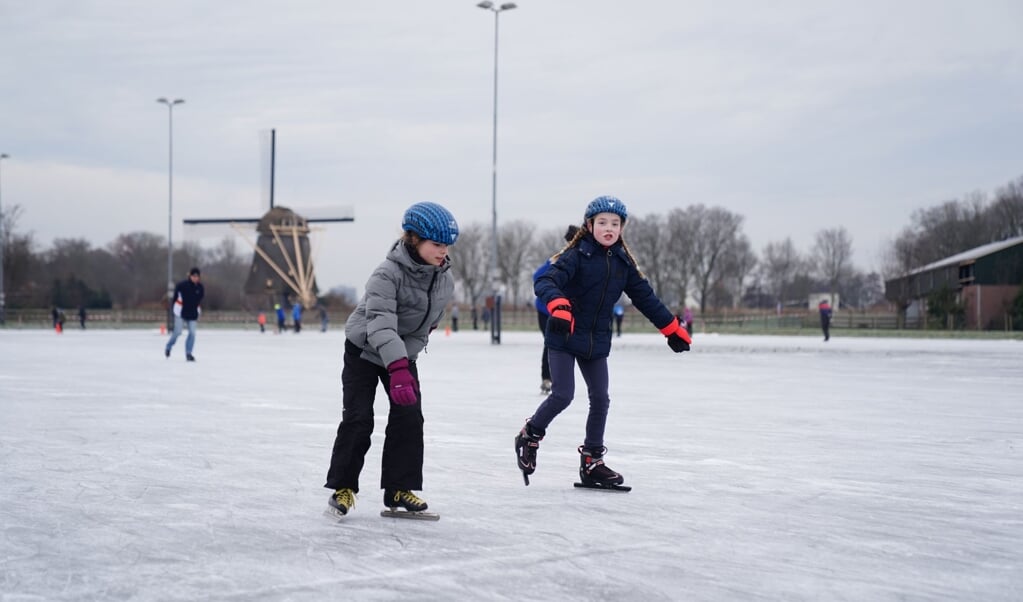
[(404, 300)]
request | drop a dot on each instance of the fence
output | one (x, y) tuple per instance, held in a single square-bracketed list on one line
[(512, 319)]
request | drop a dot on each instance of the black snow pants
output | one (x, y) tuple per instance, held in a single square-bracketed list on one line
[(402, 463)]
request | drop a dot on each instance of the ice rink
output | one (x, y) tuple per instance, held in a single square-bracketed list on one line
[(764, 468)]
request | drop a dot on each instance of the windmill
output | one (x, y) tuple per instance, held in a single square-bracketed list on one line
[(283, 250)]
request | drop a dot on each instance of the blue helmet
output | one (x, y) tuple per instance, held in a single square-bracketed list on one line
[(432, 222), (606, 204)]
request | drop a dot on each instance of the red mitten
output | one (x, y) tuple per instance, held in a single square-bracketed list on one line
[(678, 337), (562, 321)]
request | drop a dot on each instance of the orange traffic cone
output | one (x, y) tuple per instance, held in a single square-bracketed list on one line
[(447, 331), (163, 329)]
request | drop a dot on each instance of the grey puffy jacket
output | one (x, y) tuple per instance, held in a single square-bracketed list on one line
[(404, 301)]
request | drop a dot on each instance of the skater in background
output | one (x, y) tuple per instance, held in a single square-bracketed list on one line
[(454, 317), (403, 302), (81, 316), (281, 326), (324, 318), (687, 319), (825, 310), (188, 296), (619, 312), (296, 316), (579, 290), (261, 320), (542, 315)]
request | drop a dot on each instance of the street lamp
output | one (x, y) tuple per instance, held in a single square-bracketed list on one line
[(495, 318), (170, 205), (3, 317)]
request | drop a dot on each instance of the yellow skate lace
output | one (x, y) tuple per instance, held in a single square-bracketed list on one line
[(407, 497), (345, 497)]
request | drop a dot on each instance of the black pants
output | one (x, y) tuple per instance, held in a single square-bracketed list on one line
[(826, 327), (545, 368), (402, 464)]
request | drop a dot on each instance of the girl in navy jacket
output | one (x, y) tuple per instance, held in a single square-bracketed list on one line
[(580, 290)]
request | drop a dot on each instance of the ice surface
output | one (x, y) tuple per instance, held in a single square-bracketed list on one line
[(763, 468)]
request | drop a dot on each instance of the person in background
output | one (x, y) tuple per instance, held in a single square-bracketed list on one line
[(296, 316), (188, 296), (261, 320), (454, 317), (542, 316), (687, 319), (81, 316), (825, 310), (579, 290), (281, 326), (324, 318), (404, 301), (619, 312)]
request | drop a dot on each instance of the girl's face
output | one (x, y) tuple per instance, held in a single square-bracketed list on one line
[(606, 228), (432, 252)]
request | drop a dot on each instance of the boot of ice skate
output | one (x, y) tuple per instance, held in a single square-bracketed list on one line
[(527, 442), (592, 470)]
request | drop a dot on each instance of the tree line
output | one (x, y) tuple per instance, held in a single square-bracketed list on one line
[(695, 253)]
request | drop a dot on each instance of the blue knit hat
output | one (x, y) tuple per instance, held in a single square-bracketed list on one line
[(432, 222), (606, 204)]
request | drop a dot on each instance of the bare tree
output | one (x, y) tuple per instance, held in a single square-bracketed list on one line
[(141, 265), (716, 231), (832, 255), (679, 232), (1005, 215), (780, 264), (740, 261), (515, 249), (647, 238), (469, 260)]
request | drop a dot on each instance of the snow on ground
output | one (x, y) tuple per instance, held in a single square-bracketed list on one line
[(763, 468)]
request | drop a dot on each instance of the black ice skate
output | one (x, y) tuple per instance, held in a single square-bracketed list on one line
[(594, 474), (527, 442), (405, 504), (341, 502)]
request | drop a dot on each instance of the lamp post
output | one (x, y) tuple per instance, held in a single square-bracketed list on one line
[(495, 317), (3, 316), (170, 205)]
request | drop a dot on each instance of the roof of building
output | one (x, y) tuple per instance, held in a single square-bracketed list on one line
[(971, 255)]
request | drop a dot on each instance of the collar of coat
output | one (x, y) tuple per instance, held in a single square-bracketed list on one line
[(399, 254)]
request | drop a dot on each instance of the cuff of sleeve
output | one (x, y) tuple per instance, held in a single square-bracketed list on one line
[(670, 328), (555, 303)]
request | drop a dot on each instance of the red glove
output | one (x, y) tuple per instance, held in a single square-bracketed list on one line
[(403, 386), (678, 337), (561, 322)]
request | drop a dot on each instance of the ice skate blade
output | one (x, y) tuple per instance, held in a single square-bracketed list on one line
[(407, 514), (620, 488), (334, 513)]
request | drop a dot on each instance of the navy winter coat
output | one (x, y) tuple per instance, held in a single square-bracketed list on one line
[(187, 298), (592, 277)]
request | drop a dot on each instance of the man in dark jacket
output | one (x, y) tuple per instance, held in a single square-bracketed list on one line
[(188, 295)]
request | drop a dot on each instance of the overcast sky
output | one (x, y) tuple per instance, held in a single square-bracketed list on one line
[(799, 116)]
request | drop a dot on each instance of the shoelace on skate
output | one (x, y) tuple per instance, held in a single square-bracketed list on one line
[(408, 498), (345, 497)]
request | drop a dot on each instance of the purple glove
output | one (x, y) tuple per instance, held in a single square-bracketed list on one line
[(404, 388)]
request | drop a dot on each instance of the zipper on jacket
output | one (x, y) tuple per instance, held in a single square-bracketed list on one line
[(596, 314), (429, 306)]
